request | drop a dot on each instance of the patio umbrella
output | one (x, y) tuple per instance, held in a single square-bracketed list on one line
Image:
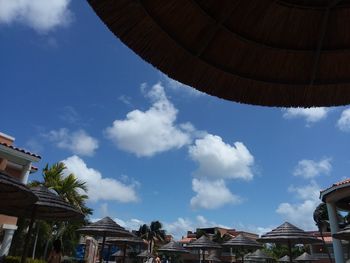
[(203, 243), (14, 195), (172, 247), (284, 259), (285, 53), (305, 257), (105, 227), (49, 206), (124, 241), (242, 242), (288, 234), (258, 255)]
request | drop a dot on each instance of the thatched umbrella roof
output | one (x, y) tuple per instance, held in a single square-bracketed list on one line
[(284, 259), (203, 243), (241, 241), (14, 195), (343, 234), (305, 257), (258, 255), (50, 206), (173, 247), (105, 227), (288, 234), (125, 240), (276, 53)]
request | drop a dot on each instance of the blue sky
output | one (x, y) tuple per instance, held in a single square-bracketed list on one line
[(149, 147)]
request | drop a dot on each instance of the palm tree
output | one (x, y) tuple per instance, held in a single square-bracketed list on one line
[(152, 233), (321, 219)]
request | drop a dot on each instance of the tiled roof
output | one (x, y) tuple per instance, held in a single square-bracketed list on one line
[(186, 240), (346, 181), (20, 150)]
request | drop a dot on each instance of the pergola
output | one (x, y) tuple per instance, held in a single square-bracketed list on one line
[(336, 197)]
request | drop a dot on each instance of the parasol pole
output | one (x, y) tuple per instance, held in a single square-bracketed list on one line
[(26, 241), (290, 251), (124, 252), (102, 248)]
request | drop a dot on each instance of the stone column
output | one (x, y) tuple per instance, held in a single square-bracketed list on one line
[(25, 173), (6, 242), (333, 220)]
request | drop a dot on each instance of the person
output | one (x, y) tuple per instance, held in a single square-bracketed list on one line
[(157, 259), (55, 255)]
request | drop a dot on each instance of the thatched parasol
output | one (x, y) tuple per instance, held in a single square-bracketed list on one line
[(343, 234), (266, 52), (50, 206), (288, 234), (105, 227), (14, 195), (284, 259), (241, 242), (124, 241), (203, 243), (173, 247), (258, 255), (305, 257)]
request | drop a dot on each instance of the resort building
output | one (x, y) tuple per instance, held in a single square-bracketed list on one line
[(17, 163)]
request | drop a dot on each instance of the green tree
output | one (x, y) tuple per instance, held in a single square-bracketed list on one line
[(152, 233)]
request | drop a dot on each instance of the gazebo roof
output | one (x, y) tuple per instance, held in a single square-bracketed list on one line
[(338, 193), (305, 257), (203, 243), (285, 53)]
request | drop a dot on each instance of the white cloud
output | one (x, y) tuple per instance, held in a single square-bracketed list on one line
[(132, 224), (211, 194), (100, 188), (344, 122), (178, 86), (311, 115), (78, 142), (218, 159), (146, 133), (301, 214), (310, 169), (41, 15)]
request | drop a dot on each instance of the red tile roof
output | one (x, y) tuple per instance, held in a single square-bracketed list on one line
[(346, 181), (20, 150)]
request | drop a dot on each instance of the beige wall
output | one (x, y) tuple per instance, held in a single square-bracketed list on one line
[(10, 220)]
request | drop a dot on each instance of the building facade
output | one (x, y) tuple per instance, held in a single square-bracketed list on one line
[(17, 163)]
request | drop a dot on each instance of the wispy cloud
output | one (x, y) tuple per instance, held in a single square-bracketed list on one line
[(311, 115), (41, 15), (344, 121), (309, 169)]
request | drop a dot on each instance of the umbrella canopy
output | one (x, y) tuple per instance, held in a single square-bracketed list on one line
[(14, 195), (305, 257), (125, 240), (203, 243), (258, 255), (288, 234), (105, 227), (343, 234), (284, 259), (50, 206), (241, 241), (173, 247), (276, 53)]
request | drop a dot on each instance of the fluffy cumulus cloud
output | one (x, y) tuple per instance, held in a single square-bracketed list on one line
[(344, 122), (178, 86), (99, 187), (41, 15), (146, 133), (211, 194), (218, 159), (131, 224), (78, 142), (301, 213), (309, 169), (311, 115)]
